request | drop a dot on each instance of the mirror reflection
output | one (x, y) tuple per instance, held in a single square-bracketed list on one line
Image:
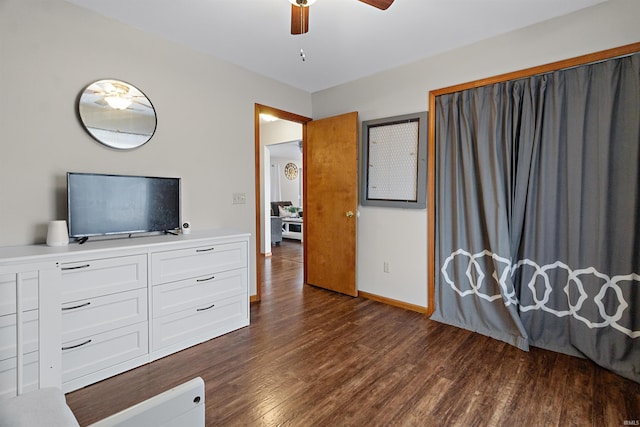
[(117, 114)]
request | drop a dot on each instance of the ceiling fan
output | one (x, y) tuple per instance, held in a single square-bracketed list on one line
[(116, 95), (300, 12)]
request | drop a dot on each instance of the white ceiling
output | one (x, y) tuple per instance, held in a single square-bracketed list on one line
[(286, 150), (347, 39)]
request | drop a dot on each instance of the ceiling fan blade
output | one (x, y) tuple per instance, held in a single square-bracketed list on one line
[(380, 4), (299, 19)]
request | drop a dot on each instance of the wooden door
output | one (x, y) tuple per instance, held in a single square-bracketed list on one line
[(331, 202)]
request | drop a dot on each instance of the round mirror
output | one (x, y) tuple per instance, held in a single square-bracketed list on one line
[(117, 114)]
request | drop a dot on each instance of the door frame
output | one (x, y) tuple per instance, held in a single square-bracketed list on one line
[(283, 115)]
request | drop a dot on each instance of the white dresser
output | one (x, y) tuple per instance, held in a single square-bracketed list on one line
[(197, 292), (105, 326), (112, 305), (30, 355)]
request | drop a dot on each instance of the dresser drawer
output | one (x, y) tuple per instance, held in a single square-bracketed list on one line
[(89, 355), (8, 292), (8, 332), (96, 315), (91, 278), (179, 296), (8, 375), (197, 324), (171, 266)]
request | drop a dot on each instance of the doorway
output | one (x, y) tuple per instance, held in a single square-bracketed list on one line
[(330, 201), (264, 139)]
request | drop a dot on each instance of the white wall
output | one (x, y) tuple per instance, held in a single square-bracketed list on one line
[(50, 50), (400, 236), (265, 189), (290, 187)]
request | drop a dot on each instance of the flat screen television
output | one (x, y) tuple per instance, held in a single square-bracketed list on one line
[(100, 204)]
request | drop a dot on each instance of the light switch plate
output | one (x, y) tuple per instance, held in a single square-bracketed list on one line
[(239, 198)]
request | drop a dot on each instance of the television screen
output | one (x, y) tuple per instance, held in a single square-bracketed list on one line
[(101, 204)]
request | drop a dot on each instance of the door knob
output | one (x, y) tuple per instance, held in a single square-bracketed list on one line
[(350, 214)]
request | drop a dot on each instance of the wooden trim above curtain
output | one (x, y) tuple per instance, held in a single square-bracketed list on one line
[(542, 69)]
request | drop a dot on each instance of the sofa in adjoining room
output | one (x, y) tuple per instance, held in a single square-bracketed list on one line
[(290, 218)]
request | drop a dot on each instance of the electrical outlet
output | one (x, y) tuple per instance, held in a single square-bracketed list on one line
[(239, 198), (385, 267)]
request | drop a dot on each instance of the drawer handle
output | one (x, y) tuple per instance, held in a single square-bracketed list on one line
[(206, 308), (77, 345), (206, 280), (76, 267), (205, 250), (76, 306)]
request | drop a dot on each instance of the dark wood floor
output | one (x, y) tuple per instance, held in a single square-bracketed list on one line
[(312, 357)]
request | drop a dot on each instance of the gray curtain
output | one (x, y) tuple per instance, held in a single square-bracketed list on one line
[(538, 212)]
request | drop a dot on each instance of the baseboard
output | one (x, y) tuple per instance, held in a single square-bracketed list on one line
[(268, 254), (395, 303), (384, 300)]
